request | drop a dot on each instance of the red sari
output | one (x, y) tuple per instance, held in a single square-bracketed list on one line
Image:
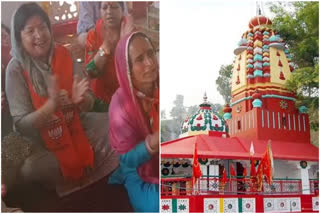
[(105, 85)]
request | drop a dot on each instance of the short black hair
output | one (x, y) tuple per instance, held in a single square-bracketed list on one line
[(121, 3), (23, 13)]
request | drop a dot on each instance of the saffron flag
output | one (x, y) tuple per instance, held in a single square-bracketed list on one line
[(253, 173), (224, 177), (244, 173), (232, 171), (252, 168), (268, 163), (259, 176), (271, 157), (196, 171)]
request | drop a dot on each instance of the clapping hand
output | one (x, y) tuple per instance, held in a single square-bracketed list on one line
[(79, 89)]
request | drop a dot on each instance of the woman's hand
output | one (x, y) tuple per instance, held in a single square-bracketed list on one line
[(79, 89), (127, 26), (152, 142)]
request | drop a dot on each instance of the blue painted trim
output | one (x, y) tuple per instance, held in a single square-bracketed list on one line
[(263, 96), (258, 73), (278, 96), (240, 100), (257, 103)]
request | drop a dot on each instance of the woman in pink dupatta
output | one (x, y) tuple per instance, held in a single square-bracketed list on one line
[(134, 121)]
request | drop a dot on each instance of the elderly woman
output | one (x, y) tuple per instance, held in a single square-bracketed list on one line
[(134, 130), (48, 98), (100, 48)]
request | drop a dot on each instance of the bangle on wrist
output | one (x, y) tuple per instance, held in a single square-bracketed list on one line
[(91, 68)]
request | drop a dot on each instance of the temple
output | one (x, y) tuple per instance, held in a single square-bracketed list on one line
[(262, 116)]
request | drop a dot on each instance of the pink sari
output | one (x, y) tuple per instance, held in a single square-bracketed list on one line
[(128, 126)]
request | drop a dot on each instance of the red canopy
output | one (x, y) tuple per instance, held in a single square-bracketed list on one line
[(236, 148)]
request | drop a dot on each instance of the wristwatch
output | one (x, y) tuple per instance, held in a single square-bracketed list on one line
[(101, 52)]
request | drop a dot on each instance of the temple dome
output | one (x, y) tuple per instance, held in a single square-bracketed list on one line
[(259, 20), (203, 121), (263, 62)]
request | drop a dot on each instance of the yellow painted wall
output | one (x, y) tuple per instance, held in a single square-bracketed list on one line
[(192, 133), (275, 69), (242, 72)]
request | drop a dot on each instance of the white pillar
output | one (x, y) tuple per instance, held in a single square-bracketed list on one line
[(305, 183), (214, 171)]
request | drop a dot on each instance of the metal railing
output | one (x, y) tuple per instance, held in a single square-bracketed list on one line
[(233, 186)]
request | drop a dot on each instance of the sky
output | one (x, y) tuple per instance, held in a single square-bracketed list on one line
[(196, 38)]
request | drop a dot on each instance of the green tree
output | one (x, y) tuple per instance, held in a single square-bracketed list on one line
[(178, 114), (163, 114), (216, 107), (223, 82), (299, 27)]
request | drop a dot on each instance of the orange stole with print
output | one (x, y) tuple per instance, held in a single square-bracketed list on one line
[(105, 85), (63, 133)]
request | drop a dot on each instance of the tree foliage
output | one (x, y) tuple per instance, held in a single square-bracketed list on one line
[(178, 112), (299, 27), (223, 82)]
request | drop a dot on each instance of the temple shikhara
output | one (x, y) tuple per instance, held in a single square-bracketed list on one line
[(258, 157)]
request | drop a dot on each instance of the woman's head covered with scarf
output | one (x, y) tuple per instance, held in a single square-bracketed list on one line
[(32, 43), (128, 125)]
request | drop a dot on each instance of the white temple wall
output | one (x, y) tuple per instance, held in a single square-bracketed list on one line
[(286, 169)]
